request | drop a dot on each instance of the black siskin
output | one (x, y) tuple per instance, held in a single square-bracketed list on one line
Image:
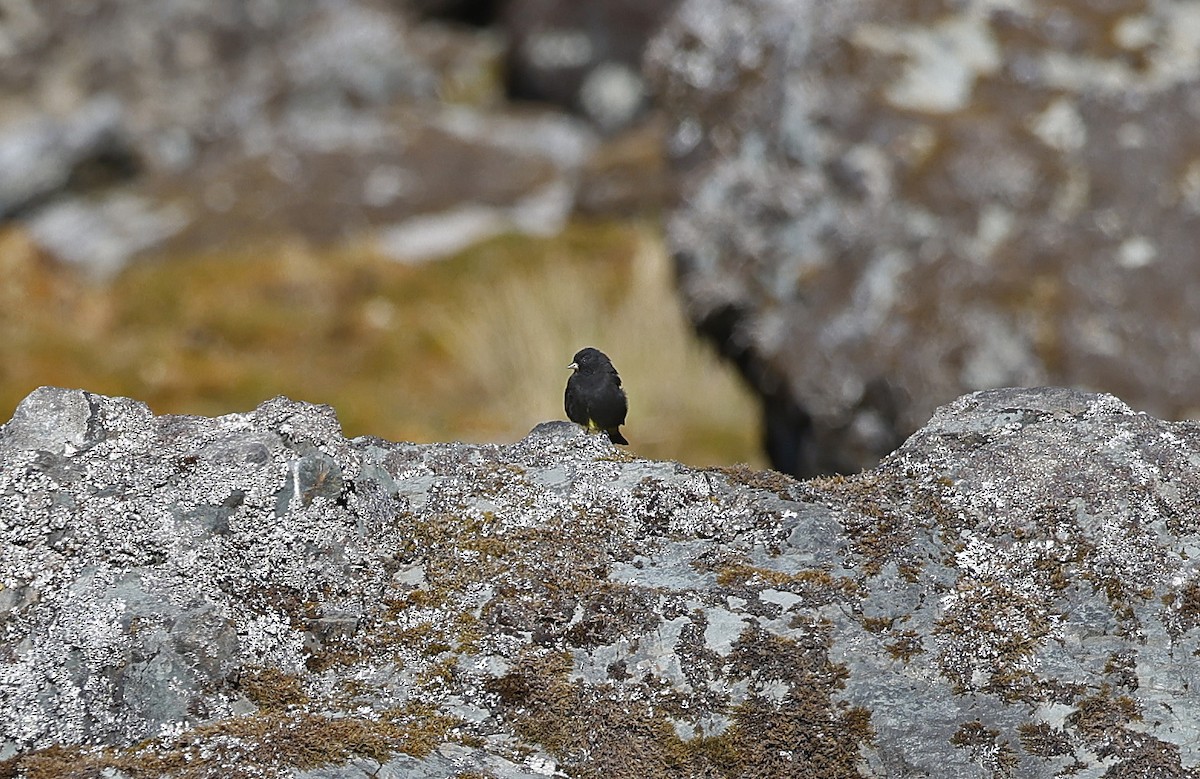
[(594, 397)]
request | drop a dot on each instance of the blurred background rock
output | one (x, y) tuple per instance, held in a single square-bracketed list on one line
[(888, 204), (208, 204), (871, 208)]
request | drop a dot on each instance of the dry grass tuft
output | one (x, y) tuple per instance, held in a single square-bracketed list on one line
[(471, 348), (514, 343)]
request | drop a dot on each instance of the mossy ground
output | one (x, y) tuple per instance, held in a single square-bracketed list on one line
[(263, 745), (470, 348)]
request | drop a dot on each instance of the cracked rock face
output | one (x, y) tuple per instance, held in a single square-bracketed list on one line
[(1014, 592), (888, 204)]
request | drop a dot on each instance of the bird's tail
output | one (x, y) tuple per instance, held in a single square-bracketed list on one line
[(614, 435)]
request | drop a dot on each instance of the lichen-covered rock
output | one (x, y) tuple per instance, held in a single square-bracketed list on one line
[(1014, 592), (888, 204)]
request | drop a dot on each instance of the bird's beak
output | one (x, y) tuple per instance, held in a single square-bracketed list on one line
[(574, 366)]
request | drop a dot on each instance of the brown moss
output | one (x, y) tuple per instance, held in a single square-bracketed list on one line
[(1151, 758), (57, 762), (877, 624), (559, 557), (455, 552), (617, 456), (413, 599), (265, 745), (610, 612), (596, 734), (711, 755), (270, 689), (805, 733), (909, 571), (1041, 740), (1183, 607), (599, 738), (801, 736), (1101, 721), (990, 626), (770, 481), (602, 731), (906, 646), (986, 749), (540, 576), (817, 586), (1013, 685), (879, 513)]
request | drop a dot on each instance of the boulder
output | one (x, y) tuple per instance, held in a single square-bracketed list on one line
[(885, 205), (1014, 592), (129, 130), (583, 56)]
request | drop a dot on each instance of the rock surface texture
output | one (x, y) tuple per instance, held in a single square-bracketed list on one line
[(886, 205), (1013, 593)]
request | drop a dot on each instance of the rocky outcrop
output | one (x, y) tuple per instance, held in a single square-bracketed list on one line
[(1014, 592), (886, 205)]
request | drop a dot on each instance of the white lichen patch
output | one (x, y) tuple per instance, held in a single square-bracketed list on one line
[(942, 61)]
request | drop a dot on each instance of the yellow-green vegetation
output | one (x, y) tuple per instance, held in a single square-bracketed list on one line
[(471, 348), (266, 744)]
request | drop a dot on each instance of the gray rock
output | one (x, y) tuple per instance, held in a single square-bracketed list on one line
[(1014, 592), (449, 760), (585, 57), (39, 152), (99, 235), (885, 206), (183, 127)]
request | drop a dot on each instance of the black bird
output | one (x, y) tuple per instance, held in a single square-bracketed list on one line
[(594, 397)]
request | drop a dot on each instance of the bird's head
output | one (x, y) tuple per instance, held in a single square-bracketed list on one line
[(588, 360)]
